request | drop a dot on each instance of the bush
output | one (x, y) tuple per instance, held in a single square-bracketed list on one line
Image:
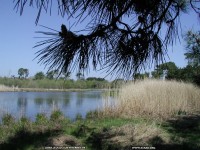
[(24, 120), (92, 115), (8, 119), (56, 115), (41, 119), (79, 117)]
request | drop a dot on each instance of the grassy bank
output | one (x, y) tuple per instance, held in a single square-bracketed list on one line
[(16, 89), (97, 133)]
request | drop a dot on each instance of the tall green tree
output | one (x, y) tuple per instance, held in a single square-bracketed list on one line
[(141, 75), (21, 72), (39, 76), (121, 37), (52, 74), (193, 56), (26, 73), (67, 75), (193, 48), (79, 76), (172, 70)]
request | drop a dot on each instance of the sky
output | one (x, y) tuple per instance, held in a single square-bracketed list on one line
[(17, 39)]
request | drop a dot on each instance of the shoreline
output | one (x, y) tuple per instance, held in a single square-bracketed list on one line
[(14, 89)]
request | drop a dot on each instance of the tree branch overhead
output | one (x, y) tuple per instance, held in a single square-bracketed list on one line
[(123, 38)]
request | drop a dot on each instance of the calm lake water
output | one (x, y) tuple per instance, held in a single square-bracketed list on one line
[(30, 103)]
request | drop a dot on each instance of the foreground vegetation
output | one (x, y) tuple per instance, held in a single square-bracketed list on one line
[(158, 114), (97, 133)]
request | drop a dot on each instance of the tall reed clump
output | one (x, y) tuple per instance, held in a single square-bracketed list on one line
[(155, 99)]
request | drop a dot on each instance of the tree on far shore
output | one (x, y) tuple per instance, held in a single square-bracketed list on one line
[(39, 76), (52, 74), (23, 73), (79, 76)]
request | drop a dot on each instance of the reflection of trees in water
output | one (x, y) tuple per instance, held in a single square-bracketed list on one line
[(39, 101), (90, 94), (79, 99), (53, 100), (95, 95), (50, 101), (80, 96), (22, 104), (66, 100)]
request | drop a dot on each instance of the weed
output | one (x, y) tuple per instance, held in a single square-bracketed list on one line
[(92, 114), (41, 119), (79, 117), (8, 119), (56, 115)]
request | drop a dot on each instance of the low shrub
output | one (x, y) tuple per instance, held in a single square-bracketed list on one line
[(41, 119), (56, 115), (8, 119)]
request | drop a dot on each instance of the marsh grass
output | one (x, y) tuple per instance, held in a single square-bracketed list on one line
[(154, 99)]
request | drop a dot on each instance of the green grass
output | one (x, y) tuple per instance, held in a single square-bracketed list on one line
[(99, 133), (25, 134)]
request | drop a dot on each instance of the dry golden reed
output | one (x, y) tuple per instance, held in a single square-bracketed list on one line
[(155, 99)]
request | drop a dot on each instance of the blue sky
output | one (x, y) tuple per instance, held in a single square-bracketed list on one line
[(17, 39)]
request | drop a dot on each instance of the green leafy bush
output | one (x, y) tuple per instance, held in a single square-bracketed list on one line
[(7, 119)]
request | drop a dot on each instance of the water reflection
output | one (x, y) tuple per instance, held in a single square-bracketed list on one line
[(79, 99), (66, 101), (39, 101), (70, 103), (22, 102), (50, 101), (22, 105)]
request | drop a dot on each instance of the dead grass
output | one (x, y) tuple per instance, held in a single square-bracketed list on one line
[(155, 99), (139, 134)]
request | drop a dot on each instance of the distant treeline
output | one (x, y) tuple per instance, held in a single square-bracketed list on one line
[(190, 73), (91, 83), (52, 80)]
